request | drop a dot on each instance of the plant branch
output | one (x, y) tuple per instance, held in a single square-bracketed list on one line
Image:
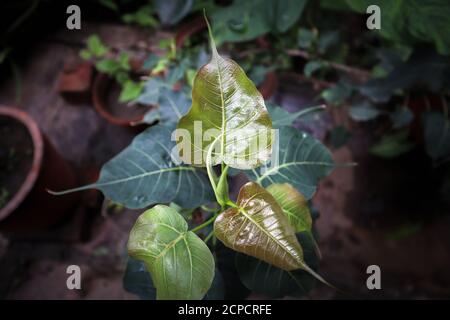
[(361, 74), (206, 223), (209, 236), (317, 84)]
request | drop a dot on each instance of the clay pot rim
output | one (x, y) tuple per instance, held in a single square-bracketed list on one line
[(38, 154), (98, 98)]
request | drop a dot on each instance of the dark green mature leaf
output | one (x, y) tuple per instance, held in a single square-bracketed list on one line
[(170, 106), (285, 13), (436, 135), (305, 38), (170, 12), (180, 263), (312, 66), (281, 117), (217, 289), (327, 40), (339, 136), (145, 173), (303, 161), (258, 74), (337, 94), (363, 111), (231, 112), (401, 117), (137, 280), (259, 227), (247, 20), (424, 68), (152, 91), (294, 205), (412, 21), (264, 278)]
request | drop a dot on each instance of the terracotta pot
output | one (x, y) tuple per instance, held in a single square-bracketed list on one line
[(100, 93), (31, 207)]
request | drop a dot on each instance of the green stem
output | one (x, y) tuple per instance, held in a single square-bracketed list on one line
[(205, 224), (209, 236), (208, 209), (211, 175), (232, 204)]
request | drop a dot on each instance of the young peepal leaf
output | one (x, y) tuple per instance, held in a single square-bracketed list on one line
[(226, 105), (144, 174), (264, 278), (295, 207), (259, 228), (293, 204), (180, 263)]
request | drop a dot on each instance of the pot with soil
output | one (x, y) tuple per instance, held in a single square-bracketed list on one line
[(29, 165), (105, 95)]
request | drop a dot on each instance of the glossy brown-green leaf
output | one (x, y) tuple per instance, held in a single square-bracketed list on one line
[(179, 262), (258, 227), (294, 205), (227, 114)]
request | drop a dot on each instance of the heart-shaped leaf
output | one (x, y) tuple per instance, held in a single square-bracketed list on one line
[(249, 19), (303, 161), (137, 280), (294, 205), (227, 109), (172, 12), (145, 173), (179, 262), (261, 277), (258, 227), (171, 106), (281, 117)]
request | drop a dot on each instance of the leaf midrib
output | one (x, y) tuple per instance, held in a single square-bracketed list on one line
[(224, 120), (142, 175), (288, 164), (242, 210)]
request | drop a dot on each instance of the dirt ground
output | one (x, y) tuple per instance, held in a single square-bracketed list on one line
[(415, 266)]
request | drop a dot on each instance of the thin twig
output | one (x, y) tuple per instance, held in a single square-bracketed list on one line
[(361, 74)]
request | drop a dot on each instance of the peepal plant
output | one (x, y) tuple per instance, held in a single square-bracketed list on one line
[(269, 224)]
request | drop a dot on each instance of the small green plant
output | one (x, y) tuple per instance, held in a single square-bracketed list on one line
[(115, 65), (182, 171)]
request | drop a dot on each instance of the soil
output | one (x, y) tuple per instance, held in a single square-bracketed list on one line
[(121, 110), (16, 157)]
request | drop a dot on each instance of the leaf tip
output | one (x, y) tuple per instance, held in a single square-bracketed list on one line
[(211, 38)]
